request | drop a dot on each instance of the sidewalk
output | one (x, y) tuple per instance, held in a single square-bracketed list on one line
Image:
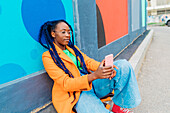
[(154, 79)]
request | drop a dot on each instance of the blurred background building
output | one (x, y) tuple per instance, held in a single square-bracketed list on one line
[(158, 10)]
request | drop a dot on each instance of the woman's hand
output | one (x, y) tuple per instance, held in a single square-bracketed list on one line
[(103, 71)]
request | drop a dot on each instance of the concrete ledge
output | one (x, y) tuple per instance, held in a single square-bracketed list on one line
[(139, 55), (25, 94)]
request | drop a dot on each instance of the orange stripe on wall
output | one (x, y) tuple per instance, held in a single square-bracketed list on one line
[(115, 18)]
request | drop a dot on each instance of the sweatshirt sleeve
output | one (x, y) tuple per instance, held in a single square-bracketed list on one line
[(60, 77)]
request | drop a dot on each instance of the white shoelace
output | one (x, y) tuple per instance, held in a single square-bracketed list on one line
[(126, 110)]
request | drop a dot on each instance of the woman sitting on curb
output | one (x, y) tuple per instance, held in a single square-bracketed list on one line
[(76, 88)]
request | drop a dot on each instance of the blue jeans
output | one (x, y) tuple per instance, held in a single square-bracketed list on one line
[(124, 84)]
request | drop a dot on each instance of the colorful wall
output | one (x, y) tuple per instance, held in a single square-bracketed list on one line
[(23, 84), (100, 27), (118, 24), (20, 21)]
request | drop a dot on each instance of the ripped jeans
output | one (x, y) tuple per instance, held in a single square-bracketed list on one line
[(124, 84)]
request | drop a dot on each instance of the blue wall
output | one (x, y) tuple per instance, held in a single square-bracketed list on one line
[(20, 21)]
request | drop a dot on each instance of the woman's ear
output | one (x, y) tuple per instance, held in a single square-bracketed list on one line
[(53, 34)]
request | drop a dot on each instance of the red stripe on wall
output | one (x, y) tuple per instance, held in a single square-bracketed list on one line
[(115, 18)]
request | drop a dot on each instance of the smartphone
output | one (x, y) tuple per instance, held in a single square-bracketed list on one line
[(109, 60)]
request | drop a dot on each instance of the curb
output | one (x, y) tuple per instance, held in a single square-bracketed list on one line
[(139, 55)]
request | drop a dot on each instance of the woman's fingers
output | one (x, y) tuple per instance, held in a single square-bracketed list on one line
[(107, 72), (114, 74), (106, 76), (107, 69)]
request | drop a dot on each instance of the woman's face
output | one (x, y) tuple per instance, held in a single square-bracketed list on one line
[(61, 35)]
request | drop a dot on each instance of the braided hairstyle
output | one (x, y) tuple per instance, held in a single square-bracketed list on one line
[(45, 32)]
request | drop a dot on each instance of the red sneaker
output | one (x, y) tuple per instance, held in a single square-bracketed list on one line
[(118, 109)]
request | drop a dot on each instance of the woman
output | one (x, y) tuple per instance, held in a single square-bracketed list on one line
[(75, 88)]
